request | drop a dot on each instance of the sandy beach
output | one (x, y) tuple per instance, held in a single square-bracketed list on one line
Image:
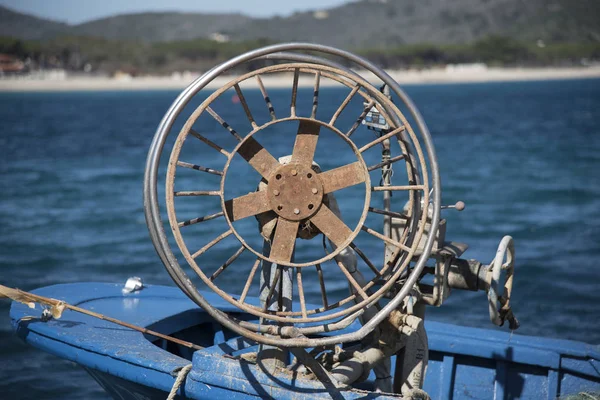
[(411, 76)]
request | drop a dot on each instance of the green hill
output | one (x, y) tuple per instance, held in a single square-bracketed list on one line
[(385, 23), (27, 27), (358, 24), (393, 33), (159, 27)]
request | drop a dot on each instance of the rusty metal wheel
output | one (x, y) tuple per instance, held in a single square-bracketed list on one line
[(295, 194)]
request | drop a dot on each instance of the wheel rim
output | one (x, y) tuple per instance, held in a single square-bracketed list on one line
[(299, 316)]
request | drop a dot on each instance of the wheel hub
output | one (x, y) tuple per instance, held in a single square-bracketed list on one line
[(295, 192)]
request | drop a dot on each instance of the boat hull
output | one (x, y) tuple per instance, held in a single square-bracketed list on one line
[(464, 363)]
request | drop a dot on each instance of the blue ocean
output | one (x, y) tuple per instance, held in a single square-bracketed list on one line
[(524, 157)]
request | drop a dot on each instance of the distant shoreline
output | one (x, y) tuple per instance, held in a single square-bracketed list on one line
[(428, 76)]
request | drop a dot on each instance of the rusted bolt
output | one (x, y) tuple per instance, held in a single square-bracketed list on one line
[(314, 190), (294, 172), (276, 192), (296, 211)]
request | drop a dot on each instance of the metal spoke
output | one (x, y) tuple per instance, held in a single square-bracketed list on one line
[(388, 213), (322, 284), (294, 92), (301, 291), (223, 123), (200, 219), (352, 281), (365, 259), (227, 263), (249, 280), (199, 168), (360, 118), (284, 240), (248, 205), (266, 97), (386, 162), (208, 142), (382, 138), (273, 284), (342, 177), (385, 238), (240, 96), (331, 226), (197, 193), (405, 187), (313, 114), (344, 105), (306, 143), (258, 157), (212, 243)]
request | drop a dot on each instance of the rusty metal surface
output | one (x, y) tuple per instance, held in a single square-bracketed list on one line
[(295, 192), (306, 143), (333, 227), (309, 189), (264, 163), (247, 205), (284, 240), (291, 200), (342, 177), (258, 157)]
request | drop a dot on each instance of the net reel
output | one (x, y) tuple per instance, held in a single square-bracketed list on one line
[(295, 199)]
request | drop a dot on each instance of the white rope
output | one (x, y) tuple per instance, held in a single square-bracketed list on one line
[(180, 378)]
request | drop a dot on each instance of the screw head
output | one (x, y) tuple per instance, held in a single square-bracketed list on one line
[(294, 172), (314, 190), (296, 211), (276, 192)]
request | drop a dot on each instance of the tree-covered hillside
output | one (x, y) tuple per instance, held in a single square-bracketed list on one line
[(393, 33)]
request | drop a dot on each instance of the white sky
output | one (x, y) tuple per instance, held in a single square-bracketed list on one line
[(77, 11)]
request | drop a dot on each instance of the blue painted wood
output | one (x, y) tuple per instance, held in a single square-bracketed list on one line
[(447, 376), (501, 381), (464, 362), (552, 384)]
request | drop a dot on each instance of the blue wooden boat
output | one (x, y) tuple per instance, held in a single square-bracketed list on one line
[(464, 363), (250, 331)]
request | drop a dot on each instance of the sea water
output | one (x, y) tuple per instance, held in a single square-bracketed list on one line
[(524, 157)]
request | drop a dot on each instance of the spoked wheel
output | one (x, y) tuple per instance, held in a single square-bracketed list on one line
[(295, 197)]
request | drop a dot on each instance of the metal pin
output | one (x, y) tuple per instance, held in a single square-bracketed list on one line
[(459, 206)]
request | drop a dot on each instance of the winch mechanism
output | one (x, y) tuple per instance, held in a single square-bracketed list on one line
[(298, 200)]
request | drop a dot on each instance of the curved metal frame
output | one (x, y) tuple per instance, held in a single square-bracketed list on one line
[(158, 236), (500, 305), (173, 162)]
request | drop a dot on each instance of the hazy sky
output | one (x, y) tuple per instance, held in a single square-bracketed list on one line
[(76, 11)]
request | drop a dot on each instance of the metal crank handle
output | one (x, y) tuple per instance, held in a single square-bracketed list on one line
[(499, 306), (472, 275)]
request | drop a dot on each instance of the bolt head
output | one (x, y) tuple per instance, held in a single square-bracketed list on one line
[(314, 190), (276, 192), (296, 211), (294, 172)]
